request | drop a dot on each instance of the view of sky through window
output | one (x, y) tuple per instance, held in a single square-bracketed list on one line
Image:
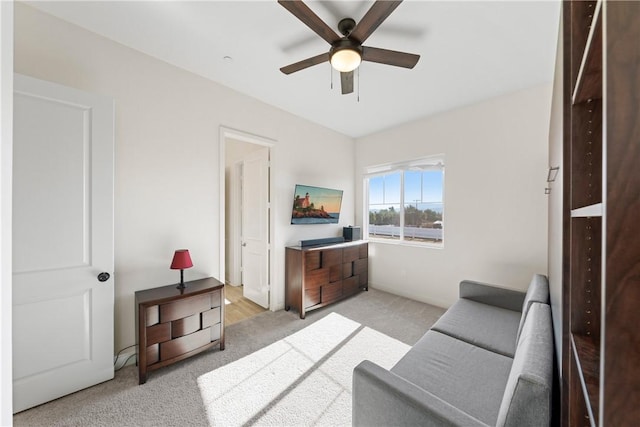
[(407, 205)]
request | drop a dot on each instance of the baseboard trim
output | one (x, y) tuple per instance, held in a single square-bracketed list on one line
[(394, 291)]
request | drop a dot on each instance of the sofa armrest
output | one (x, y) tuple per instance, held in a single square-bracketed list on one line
[(492, 295), (382, 398)]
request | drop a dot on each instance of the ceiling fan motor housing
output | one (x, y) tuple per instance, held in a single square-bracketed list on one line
[(345, 26)]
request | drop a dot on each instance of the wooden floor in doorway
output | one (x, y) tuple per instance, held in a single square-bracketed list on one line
[(237, 307)]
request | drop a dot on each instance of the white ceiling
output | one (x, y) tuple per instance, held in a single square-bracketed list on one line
[(470, 51)]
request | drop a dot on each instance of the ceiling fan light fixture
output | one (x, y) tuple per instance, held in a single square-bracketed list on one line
[(346, 59)]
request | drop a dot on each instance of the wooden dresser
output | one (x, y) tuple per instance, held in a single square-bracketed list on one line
[(319, 275), (174, 324)]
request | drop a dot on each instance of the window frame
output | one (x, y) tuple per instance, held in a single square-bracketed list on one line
[(424, 163)]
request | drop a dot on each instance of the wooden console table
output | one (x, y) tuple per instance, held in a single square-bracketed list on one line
[(174, 324), (319, 275)]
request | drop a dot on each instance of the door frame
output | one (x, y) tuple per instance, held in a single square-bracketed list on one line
[(227, 134), (6, 201)]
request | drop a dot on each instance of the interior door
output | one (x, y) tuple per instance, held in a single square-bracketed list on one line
[(63, 292), (255, 227)]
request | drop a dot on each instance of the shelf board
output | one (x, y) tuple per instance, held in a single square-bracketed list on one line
[(587, 354), (589, 81), (587, 211)]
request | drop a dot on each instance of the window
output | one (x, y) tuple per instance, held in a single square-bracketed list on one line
[(405, 201)]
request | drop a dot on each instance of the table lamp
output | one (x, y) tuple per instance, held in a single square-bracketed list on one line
[(181, 260)]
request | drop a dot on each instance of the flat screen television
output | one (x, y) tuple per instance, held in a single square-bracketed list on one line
[(316, 205)]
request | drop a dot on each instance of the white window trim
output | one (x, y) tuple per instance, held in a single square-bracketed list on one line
[(425, 163)]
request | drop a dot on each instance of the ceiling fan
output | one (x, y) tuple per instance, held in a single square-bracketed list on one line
[(347, 52)]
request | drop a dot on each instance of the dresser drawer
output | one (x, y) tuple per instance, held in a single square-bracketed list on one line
[(211, 317), (153, 354), (351, 285), (158, 333), (335, 273), (361, 269), (347, 270), (215, 331), (360, 266), (331, 257), (351, 254), (311, 260), (185, 344), (363, 279), (311, 297), (364, 250), (331, 292), (216, 299), (316, 278), (184, 326), (184, 307), (153, 315)]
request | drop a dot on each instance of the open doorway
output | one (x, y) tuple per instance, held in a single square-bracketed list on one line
[(246, 221)]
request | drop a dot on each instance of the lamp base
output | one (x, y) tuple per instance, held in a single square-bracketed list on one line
[(181, 285)]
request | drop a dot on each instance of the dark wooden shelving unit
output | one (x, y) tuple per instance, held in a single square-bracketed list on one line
[(587, 357), (601, 240), (589, 78)]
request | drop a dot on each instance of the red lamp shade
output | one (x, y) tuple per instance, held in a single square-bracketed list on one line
[(181, 259)]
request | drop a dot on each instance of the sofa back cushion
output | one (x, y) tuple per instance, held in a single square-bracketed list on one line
[(538, 291), (527, 397)]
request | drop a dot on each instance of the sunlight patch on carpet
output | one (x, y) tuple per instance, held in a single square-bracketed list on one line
[(303, 379)]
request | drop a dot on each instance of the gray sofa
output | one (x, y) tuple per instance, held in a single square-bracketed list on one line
[(488, 361)]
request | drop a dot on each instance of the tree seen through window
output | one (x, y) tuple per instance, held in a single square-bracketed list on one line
[(407, 204)]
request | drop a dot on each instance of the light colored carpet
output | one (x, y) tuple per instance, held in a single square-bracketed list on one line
[(214, 388), (303, 379)]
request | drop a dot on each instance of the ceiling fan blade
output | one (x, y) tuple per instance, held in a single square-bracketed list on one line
[(371, 20), (310, 19), (305, 63), (389, 57), (346, 81)]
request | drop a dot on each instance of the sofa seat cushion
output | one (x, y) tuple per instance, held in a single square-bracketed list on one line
[(487, 326), (467, 377)]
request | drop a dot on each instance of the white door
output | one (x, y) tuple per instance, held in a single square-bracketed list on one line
[(63, 298), (255, 227)]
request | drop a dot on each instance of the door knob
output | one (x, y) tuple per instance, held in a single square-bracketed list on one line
[(244, 244), (103, 277)]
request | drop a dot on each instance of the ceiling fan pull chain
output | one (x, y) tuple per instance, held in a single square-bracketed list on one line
[(358, 84), (331, 71)]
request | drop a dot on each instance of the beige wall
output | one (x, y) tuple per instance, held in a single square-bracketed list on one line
[(495, 206), (556, 143), (167, 155)]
